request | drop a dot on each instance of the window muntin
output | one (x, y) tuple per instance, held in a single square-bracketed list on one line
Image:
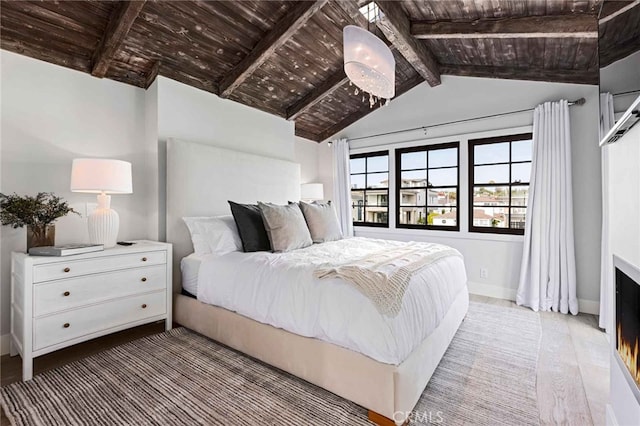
[(427, 187), (499, 175), (370, 189)]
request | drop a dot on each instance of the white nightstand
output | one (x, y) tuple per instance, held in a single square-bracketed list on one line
[(60, 301)]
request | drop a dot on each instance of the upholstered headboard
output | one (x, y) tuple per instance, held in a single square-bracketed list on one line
[(201, 178)]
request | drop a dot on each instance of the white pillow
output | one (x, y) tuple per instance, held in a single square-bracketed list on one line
[(218, 235)]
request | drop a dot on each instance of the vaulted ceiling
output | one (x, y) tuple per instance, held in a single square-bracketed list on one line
[(285, 57)]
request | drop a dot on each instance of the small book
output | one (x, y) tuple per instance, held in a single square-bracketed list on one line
[(65, 250)]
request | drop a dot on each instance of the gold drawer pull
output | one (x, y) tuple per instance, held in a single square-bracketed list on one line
[(66, 325), (143, 279), (67, 269), (144, 259), (66, 293), (144, 305)]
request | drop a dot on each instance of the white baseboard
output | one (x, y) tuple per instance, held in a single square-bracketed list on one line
[(5, 339), (611, 416), (589, 306), (498, 292)]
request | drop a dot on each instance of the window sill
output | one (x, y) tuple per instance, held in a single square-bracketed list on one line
[(369, 225), (462, 235)]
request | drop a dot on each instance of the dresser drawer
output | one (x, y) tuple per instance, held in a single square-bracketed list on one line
[(55, 296), (58, 328), (74, 268)]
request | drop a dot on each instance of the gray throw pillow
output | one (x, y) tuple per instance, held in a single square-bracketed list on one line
[(322, 221), (285, 226)]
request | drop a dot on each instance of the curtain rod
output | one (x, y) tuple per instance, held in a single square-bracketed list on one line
[(626, 93), (580, 101)]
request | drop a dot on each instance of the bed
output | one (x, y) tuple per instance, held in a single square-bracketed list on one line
[(244, 301)]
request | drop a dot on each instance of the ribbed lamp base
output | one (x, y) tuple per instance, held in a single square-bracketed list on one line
[(104, 223)]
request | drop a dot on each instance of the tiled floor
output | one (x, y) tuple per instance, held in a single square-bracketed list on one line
[(573, 365)]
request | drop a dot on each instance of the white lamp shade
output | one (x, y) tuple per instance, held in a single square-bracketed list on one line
[(95, 175), (368, 62), (312, 191)]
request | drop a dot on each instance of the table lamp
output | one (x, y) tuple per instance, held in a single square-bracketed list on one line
[(311, 191), (102, 177)]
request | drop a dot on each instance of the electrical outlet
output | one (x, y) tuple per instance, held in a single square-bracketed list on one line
[(484, 273)]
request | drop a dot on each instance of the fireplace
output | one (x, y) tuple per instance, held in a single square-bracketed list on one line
[(627, 326)]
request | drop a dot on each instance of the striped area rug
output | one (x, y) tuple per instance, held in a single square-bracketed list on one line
[(487, 377)]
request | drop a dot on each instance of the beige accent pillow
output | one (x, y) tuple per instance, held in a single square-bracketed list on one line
[(285, 226), (322, 221)]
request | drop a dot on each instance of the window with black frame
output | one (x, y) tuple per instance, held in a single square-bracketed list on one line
[(370, 188), (499, 175), (427, 187)]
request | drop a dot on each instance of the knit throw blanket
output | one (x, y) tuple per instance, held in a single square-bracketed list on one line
[(384, 276)]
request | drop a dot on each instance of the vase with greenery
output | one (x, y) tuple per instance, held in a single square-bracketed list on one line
[(37, 213)]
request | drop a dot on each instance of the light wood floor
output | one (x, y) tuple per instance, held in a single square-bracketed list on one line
[(573, 368), (573, 365)]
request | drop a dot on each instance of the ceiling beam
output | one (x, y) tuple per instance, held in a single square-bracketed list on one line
[(188, 78), (317, 94), (619, 51), (534, 74), (614, 14), (307, 135), (352, 9), (295, 18), (152, 74), (365, 110), (19, 43), (120, 23), (396, 27), (559, 26)]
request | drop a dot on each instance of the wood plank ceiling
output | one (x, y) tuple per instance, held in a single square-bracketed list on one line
[(619, 30), (285, 57)]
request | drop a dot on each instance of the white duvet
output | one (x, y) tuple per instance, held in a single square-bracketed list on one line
[(279, 289)]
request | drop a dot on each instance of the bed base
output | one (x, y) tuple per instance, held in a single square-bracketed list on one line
[(389, 392)]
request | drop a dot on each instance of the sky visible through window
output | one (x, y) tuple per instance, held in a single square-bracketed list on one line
[(370, 11), (436, 158), (499, 153)]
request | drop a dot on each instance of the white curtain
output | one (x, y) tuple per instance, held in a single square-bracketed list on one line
[(548, 273), (607, 120), (342, 185)]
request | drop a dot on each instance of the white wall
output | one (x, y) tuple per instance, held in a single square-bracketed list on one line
[(51, 115), (151, 142), (624, 158), (619, 77), (325, 169), (316, 163), (462, 98), (624, 212), (194, 115), (624, 222), (306, 154), (624, 196)]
